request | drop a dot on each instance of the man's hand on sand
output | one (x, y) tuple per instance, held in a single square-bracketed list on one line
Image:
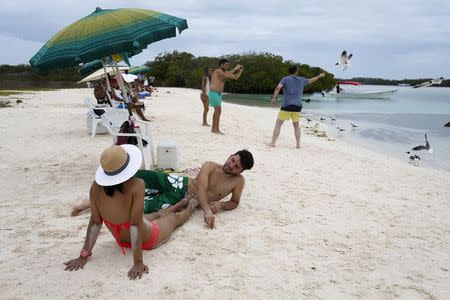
[(137, 271), (209, 219), (215, 206), (75, 264)]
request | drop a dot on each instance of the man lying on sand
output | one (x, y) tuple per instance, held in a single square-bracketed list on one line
[(213, 183), (115, 199)]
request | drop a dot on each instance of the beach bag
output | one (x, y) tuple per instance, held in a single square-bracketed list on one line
[(128, 127)]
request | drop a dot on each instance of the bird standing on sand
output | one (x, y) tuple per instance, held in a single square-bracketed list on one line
[(422, 147), (414, 159), (344, 61), (308, 119)]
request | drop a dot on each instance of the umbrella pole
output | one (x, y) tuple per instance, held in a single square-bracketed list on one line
[(122, 87), (106, 76)]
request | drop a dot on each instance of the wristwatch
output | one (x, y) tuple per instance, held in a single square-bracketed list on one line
[(85, 253)]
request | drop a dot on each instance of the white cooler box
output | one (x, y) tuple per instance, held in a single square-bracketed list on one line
[(100, 128), (168, 155)]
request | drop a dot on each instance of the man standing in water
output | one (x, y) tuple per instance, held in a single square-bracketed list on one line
[(292, 86), (217, 84)]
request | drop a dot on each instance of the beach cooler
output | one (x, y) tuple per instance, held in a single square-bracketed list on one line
[(168, 155)]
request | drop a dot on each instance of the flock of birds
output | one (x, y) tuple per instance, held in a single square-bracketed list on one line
[(414, 159), (344, 62)]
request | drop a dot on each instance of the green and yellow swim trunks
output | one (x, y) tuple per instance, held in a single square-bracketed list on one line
[(215, 98), (162, 189)]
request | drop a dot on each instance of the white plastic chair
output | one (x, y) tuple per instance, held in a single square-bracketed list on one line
[(113, 119), (96, 119)]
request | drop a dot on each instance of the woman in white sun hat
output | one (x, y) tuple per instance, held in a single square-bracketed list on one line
[(117, 199)]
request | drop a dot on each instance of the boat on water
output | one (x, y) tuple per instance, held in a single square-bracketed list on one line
[(340, 93)]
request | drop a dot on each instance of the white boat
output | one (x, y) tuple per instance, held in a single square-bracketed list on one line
[(355, 94), (386, 94)]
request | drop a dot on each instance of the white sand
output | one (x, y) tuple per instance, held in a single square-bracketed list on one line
[(331, 220)]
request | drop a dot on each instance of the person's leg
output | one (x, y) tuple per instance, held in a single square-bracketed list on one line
[(276, 132), (205, 110), (168, 223), (140, 112), (83, 205), (167, 211), (216, 120), (297, 133)]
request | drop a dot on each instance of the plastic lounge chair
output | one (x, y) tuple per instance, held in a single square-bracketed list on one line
[(96, 119), (113, 119)]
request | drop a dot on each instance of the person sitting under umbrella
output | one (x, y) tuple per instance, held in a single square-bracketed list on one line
[(137, 105)]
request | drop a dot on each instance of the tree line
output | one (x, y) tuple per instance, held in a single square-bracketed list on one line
[(262, 71)]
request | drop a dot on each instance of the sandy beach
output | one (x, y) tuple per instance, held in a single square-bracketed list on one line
[(329, 221)]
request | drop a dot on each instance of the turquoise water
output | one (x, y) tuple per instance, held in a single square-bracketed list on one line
[(391, 126)]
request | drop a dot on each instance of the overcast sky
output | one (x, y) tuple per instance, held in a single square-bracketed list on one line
[(391, 39)]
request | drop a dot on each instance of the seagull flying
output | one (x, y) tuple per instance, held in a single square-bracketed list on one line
[(332, 119), (340, 129), (431, 82), (422, 147), (322, 119), (354, 125), (344, 61)]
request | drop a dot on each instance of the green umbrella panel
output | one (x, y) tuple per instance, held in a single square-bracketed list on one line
[(103, 33), (138, 70)]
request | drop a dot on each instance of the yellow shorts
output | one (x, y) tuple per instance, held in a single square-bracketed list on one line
[(286, 115)]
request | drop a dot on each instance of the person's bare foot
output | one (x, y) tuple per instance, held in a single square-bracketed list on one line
[(206, 125), (217, 132), (182, 204), (272, 145), (76, 210), (297, 146), (193, 203)]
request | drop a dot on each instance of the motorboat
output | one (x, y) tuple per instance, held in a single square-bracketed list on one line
[(340, 93)]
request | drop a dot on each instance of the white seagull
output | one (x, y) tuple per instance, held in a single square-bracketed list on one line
[(344, 61), (431, 82)]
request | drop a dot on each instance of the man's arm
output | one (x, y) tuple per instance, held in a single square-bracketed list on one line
[(136, 231), (202, 186), (314, 79), (92, 232), (276, 92), (232, 74), (233, 202)]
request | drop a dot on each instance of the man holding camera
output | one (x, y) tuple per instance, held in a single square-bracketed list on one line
[(217, 84)]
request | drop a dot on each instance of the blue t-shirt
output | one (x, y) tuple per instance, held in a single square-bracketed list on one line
[(293, 91)]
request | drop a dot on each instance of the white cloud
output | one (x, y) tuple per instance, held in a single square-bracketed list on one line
[(313, 32)]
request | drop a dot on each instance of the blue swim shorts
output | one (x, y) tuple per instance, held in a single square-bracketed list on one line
[(215, 98)]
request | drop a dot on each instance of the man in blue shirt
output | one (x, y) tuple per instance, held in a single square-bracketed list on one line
[(292, 105)]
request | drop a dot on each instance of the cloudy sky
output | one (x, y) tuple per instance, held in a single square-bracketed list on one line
[(391, 39)]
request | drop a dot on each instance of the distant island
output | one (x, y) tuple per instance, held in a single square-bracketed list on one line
[(402, 82)]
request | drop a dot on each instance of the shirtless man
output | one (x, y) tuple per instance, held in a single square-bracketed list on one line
[(213, 183), (217, 84)]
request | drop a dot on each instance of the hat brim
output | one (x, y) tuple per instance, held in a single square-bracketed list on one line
[(133, 166)]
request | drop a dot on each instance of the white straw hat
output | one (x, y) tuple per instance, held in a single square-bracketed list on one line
[(118, 164)]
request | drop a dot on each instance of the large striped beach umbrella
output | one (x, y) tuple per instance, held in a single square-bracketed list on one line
[(105, 32)]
